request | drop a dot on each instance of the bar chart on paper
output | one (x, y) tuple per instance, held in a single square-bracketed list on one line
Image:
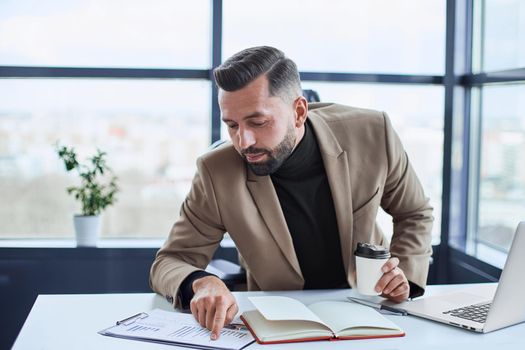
[(188, 332), (178, 329), (138, 328)]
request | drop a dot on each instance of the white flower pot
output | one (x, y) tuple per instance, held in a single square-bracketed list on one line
[(87, 229)]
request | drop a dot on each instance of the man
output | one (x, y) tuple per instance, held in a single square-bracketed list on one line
[(297, 188)]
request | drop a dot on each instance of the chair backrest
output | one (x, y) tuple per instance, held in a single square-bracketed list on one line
[(311, 95), (230, 273)]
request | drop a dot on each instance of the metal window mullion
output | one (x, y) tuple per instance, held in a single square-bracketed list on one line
[(482, 36), (91, 72), (467, 118), (476, 168), (216, 47), (371, 78), (449, 82)]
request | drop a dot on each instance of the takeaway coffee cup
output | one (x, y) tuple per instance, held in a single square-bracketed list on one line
[(369, 259)]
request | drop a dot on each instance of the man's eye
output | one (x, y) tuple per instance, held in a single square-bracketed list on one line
[(232, 126), (258, 124)]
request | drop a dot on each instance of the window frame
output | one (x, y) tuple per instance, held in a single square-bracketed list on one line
[(458, 75), (466, 47), (7, 72)]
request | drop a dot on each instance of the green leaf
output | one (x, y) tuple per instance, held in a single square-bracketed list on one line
[(93, 194)]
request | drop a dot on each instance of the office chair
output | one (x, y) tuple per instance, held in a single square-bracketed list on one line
[(233, 275), (311, 95)]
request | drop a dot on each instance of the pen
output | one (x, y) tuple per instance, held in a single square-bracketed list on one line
[(393, 310), (379, 307), (143, 314)]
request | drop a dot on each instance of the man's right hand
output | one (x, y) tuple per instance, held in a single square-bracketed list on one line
[(213, 305)]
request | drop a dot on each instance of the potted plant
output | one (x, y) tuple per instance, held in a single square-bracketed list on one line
[(93, 194)]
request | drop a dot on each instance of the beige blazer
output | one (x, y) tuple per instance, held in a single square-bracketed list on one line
[(366, 167)]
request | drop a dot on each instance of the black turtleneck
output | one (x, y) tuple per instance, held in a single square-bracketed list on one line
[(306, 201)]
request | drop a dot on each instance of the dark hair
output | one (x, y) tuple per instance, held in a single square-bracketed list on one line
[(246, 66)]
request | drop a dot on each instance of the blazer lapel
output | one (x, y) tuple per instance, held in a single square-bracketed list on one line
[(265, 197), (335, 160)]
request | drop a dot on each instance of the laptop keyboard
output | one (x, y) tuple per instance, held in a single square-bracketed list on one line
[(476, 313)]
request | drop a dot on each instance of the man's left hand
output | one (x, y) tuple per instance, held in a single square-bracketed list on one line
[(393, 284)]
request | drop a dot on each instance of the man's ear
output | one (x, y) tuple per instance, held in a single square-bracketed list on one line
[(301, 111)]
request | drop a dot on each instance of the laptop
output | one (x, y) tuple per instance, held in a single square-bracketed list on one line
[(482, 308)]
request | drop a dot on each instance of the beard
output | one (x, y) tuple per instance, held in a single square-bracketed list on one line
[(275, 156)]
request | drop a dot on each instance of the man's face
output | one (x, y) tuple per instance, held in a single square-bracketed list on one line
[(263, 128)]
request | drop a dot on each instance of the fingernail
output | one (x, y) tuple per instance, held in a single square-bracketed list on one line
[(213, 336), (384, 269)]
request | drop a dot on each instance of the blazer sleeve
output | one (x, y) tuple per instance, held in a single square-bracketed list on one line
[(193, 239), (405, 201)]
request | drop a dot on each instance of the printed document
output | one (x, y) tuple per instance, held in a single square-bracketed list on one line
[(176, 328)]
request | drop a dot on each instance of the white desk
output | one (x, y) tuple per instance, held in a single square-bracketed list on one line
[(68, 322)]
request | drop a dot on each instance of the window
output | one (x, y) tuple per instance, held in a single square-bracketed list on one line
[(152, 130), (503, 34), (497, 133), (372, 36), (362, 37), (416, 113), (98, 33), (501, 176)]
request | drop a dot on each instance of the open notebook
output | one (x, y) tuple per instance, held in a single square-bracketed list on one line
[(281, 319)]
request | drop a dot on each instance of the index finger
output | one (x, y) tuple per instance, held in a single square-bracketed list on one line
[(390, 265), (218, 320)]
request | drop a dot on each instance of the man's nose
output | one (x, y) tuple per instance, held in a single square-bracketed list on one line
[(246, 138)]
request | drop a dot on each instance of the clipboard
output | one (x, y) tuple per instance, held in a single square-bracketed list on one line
[(175, 328)]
